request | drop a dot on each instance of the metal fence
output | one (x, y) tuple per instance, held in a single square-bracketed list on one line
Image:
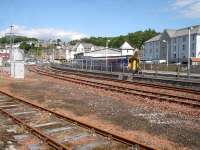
[(98, 65), (182, 68), (178, 70)]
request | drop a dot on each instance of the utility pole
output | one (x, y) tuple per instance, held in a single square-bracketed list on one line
[(106, 54), (189, 50), (11, 42), (167, 56)]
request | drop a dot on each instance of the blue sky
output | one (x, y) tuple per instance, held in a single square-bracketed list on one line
[(78, 18)]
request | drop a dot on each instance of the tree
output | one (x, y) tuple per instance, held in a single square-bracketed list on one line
[(136, 39), (26, 47)]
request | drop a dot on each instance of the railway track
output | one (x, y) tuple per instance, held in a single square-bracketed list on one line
[(59, 131), (191, 91), (193, 102)]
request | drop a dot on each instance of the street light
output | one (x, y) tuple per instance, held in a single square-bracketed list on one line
[(167, 57), (189, 49), (106, 54)]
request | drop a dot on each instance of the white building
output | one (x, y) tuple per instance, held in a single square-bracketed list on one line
[(176, 43), (89, 50), (17, 63), (103, 53), (127, 49), (79, 49)]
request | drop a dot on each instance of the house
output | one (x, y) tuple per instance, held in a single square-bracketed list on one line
[(174, 44), (74, 51), (80, 50), (4, 53), (126, 49)]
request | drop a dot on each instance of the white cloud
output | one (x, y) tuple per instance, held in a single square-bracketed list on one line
[(187, 8), (44, 33)]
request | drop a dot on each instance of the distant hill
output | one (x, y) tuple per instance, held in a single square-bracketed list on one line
[(135, 39), (6, 39)]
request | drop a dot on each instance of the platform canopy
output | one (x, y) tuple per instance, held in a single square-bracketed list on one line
[(126, 45)]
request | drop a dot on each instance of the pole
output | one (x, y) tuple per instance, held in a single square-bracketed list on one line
[(167, 54), (106, 56), (12, 67), (189, 30)]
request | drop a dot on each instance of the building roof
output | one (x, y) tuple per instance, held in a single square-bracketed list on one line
[(177, 33), (155, 38), (112, 49), (126, 45), (87, 45)]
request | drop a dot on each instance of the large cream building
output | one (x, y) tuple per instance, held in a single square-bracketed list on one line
[(176, 43)]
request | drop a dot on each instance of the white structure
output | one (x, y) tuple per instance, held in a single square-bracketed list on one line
[(174, 44), (103, 53), (127, 49), (89, 50), (17, 63), (1, 61), (80, 48)]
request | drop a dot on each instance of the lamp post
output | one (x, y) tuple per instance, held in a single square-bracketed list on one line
[(167, 57), (189, 49), (106, 54)]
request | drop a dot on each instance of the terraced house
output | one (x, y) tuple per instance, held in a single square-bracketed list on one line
[(173, 45)]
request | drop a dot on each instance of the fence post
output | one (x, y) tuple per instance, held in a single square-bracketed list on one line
[(86, 65), (90, 64), (82, 64)]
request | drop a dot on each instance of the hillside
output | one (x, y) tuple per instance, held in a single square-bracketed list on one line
[(6, 39), (135, 39)]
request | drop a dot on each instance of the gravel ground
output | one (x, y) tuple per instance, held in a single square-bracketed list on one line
[(160, 124), (143, 88), (14, 137)]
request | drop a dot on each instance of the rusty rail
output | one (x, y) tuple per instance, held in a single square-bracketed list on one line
[(36, 132), (121, 89), (191, 91), (138, 90), (81, 124)]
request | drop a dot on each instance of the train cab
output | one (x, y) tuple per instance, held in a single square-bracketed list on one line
[(133, 63)]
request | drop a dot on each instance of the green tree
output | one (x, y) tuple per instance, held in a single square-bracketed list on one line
[(136, 39), (26, 47)]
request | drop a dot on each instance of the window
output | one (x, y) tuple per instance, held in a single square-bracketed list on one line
[(174, 55), (150, 51), (193, 37), (193, 54), (183, 47), (174, 48), (156, 50), (184, 39), (193, 46)]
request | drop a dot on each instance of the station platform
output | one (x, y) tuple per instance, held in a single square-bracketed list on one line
[(168, 78)]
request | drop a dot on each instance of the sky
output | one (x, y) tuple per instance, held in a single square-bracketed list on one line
[(75, 19)]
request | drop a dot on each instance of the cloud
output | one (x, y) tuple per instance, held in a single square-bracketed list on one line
[(44, 33), (187, 8)]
